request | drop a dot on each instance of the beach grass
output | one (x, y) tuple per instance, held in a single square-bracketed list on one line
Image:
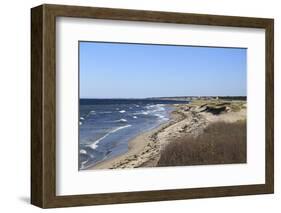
[(220, 143)]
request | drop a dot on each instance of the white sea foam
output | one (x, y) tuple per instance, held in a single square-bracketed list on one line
[(135, 117), (159, 115), (95, 144), (160, 107), (81, 118), (122, 111), (80, 123), (83, 164), (121, 120), (162, 117), (83, 151), (142, 113), (152, 109), (155, 108), (149, 106)]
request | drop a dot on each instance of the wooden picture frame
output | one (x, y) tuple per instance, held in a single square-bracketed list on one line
[(43, 105)]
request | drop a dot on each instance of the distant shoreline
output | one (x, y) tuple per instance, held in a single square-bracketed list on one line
[(177, 98)]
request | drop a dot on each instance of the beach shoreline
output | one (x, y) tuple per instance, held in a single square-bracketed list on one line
[(141, 143), (186, 119)]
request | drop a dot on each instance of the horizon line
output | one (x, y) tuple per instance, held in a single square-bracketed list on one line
[(169, 97)]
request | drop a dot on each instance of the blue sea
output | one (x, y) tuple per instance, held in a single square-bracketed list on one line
[(107, 125)]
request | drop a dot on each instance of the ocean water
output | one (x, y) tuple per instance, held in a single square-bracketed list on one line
[(107, 125)]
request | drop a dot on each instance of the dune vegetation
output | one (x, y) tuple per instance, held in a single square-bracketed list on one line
[(220, 143)]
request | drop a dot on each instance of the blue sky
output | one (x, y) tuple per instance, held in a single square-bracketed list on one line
[(114, 70)]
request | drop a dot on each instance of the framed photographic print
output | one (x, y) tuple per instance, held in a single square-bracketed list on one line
[(136, 106)]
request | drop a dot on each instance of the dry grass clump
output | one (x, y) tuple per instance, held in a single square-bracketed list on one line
[(221, 143)]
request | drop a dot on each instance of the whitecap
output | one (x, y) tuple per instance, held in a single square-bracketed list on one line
[(122, 111), (119, 128), (159, 115), (141, 113), (150, 106), (135, 117), (80, 123), (83, 164), (162, 117), (83, 151), (92, 112), (121, 120), (160, 107), (81, 118), (154, 108), (95, 144)]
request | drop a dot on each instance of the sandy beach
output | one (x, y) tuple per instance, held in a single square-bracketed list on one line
[(186, 120)]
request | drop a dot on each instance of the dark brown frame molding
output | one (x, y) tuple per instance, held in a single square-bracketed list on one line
[(43, 105)]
